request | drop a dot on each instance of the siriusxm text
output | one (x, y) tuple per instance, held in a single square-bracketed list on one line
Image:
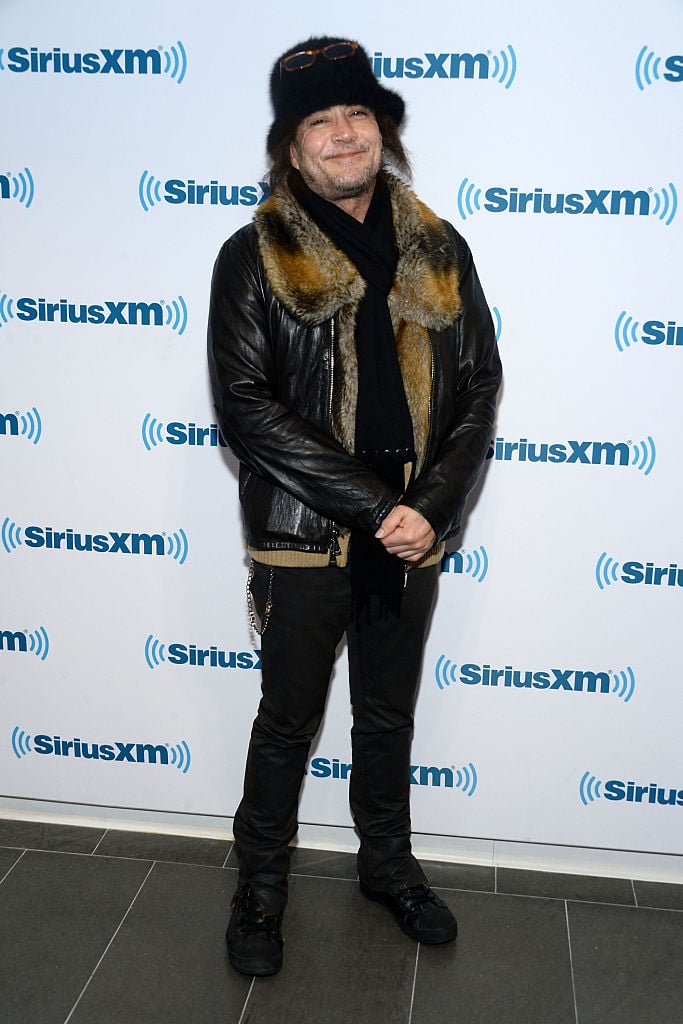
[(570, 679), (612, 202), (112, 542), (9, 424), (432, 65), (588, 453), (189, 433), (213, 194), (13, 641), (674, 68), (212, 657), (420, 774), (108, 312), (616, 789), (21, 59), (134, 753), (656, 332), (652, 575)]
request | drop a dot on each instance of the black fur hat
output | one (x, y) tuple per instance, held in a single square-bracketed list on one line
[(325, 83)]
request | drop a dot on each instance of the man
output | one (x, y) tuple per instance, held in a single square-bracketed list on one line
[(354, 371)]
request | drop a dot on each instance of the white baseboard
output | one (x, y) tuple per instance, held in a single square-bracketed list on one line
[(457, 849)]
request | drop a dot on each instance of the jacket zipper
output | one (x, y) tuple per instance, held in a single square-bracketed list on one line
[(331, 371), (406, 565), (334, 545), (430, 431), (334, 542)]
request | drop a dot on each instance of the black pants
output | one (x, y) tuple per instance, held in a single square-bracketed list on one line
[(311, 610)]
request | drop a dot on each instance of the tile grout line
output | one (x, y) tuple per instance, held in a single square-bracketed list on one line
[(244, 1008), (116, 932), (635, 895), (412, 994), (325, 878), (84, 853), (99, 842), (11, 869), (571, 961), (557, 899), (230, 849)]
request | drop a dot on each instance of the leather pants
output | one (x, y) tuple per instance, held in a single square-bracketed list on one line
[(311, 611)]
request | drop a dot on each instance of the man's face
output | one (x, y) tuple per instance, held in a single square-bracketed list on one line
[(338, 152)]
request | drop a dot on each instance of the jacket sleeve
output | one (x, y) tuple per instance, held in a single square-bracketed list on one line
[(273, 441), (440, 492)]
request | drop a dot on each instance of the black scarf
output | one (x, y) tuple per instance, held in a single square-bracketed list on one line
[(384, 431)]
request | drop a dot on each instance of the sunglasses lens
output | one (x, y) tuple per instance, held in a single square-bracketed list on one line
[(338, 51), (297, 61), (305, 58)]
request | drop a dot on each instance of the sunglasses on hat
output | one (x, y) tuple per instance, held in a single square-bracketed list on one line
[(306, 58)]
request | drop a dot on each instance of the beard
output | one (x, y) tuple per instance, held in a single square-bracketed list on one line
[(339, 187), (333, 184)]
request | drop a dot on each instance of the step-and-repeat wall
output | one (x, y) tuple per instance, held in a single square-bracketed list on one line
[(132, 146)]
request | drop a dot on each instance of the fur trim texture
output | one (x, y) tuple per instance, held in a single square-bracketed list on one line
[(315, 281)]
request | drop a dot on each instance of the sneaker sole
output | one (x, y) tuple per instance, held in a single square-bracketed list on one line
[(254, 968), (436, 938)]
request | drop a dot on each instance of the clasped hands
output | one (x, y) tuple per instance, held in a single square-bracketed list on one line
[(406, 534)]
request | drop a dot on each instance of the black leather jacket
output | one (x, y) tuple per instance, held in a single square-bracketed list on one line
[(281, 359)]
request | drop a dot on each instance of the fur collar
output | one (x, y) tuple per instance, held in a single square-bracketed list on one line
[(313, 279)]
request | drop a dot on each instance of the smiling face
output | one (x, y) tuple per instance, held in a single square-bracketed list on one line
[(338, 152)]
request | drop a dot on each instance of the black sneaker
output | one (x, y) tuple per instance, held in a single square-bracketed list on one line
[(254, 939), (419, 912)]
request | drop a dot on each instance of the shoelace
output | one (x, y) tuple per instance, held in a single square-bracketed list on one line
[(250, 917), (414, 898)]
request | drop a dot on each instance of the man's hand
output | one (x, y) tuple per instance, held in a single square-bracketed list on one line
[(406, 534)]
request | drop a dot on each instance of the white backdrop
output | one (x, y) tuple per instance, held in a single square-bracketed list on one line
[(133, 144)]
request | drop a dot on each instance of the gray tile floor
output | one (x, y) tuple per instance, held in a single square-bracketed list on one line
[(98, 927)]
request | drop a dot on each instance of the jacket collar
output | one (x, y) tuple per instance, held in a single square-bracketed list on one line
[(314, 280)]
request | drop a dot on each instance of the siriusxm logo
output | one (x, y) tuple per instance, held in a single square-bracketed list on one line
[(497, 321), (473, 563), (502, 66), (609, 571), (648, 68), (177, 191), (641, 455), (122, 312), (155, 433), (591, 788), (171, 61), (568, 680), (464, 778), (22, 424), (177, 755), (17, 186), (661, 203), (174, 545), (627, 332), (202, 657), (37, 642)]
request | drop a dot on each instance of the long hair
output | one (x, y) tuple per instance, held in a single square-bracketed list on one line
[(394, 156)]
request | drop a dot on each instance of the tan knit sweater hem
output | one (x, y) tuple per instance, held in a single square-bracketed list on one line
[(291, 559)]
